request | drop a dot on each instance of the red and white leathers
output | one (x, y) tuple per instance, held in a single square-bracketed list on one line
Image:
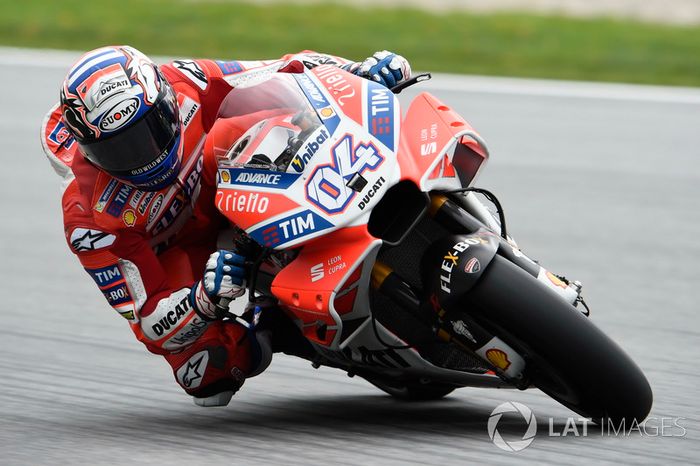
[(145, 250)]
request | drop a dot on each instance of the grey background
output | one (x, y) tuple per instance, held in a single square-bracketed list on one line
[(604, 190)]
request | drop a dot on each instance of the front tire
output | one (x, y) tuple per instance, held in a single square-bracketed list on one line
[(567, 356)]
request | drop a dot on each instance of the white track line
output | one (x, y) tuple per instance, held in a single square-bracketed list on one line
[(60, 59)]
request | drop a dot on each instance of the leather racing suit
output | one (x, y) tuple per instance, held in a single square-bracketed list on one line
[(145, 250)]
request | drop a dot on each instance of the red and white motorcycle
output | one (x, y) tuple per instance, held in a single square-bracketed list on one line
[(373, 240)]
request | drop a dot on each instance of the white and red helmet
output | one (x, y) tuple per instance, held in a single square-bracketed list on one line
[(124, 116)]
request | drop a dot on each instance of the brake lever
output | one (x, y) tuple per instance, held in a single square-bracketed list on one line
[(410, 82)]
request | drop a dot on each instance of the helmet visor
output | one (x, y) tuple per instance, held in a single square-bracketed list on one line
[(142, 146)]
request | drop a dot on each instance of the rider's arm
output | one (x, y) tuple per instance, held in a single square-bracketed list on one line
[(213, 79), (151, 292)]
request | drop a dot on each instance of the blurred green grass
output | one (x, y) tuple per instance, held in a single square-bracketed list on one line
[(498, 44)]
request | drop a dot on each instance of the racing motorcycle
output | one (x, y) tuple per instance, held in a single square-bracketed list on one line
[(370, 235)]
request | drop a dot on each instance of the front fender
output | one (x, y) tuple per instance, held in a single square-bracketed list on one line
[(452, 265)]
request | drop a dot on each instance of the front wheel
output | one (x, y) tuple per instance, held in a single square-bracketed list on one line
[(567, 356)]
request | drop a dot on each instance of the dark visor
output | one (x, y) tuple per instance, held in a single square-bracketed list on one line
[(139, 145)]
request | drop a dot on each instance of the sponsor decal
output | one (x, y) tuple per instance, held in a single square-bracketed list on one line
[(179, 202), (317, 272), (249, 177), (318, 101), (188, 110), (138, 195), (191, 182), (326, 112), (191, 373), (428, 144), (155, 208), (450, 261), (313, 143), (333, 265), (498, 358), (143, 205), (120, 114), (290, 228), (556, 280), (193, 72), (102, 84), (106, 194), (115, 207), (336, 82), (129, 218), (428, 148), (171, 318), (473, 265), (127, 313), (60, 135), (106, 276), (188, 333), (311, 90), (117, 295), (112, 87), (170, 213), (327, 186), (84, 239), (234, 201), (367, 198), (229, 67), (225, 176), (380, 113), (460, 328), (150, 166)]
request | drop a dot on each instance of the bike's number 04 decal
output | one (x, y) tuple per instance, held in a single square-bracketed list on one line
[(327, 186)]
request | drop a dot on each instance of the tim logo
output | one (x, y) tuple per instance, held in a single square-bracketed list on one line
[(327, 188)]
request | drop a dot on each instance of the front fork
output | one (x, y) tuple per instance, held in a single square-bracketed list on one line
[(456, 220), (458, 327)]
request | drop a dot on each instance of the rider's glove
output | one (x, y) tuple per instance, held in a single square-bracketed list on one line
[(386, 68), (224, 280)]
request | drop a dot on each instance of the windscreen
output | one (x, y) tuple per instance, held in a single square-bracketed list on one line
[(279, 122)]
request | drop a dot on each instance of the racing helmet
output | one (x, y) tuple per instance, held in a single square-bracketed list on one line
[(124, 116)]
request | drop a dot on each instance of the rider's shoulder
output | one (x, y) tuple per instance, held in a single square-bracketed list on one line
[(198, 74), (59, 145)]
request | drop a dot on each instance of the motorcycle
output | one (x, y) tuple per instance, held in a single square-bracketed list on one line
[(370, 235)]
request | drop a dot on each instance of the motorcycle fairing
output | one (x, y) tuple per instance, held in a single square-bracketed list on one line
[(437, 148), (309, 285), (343, 152)]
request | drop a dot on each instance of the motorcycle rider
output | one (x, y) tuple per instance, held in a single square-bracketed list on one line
[(128, 139)]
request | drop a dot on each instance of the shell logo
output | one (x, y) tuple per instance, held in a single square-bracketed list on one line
[(498, 358), (326, 112), (129, 218), (225, 176)]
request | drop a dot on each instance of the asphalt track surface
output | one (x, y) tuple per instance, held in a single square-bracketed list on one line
[(599, 182)]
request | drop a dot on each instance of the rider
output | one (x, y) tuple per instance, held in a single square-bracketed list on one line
[(138, 200)]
